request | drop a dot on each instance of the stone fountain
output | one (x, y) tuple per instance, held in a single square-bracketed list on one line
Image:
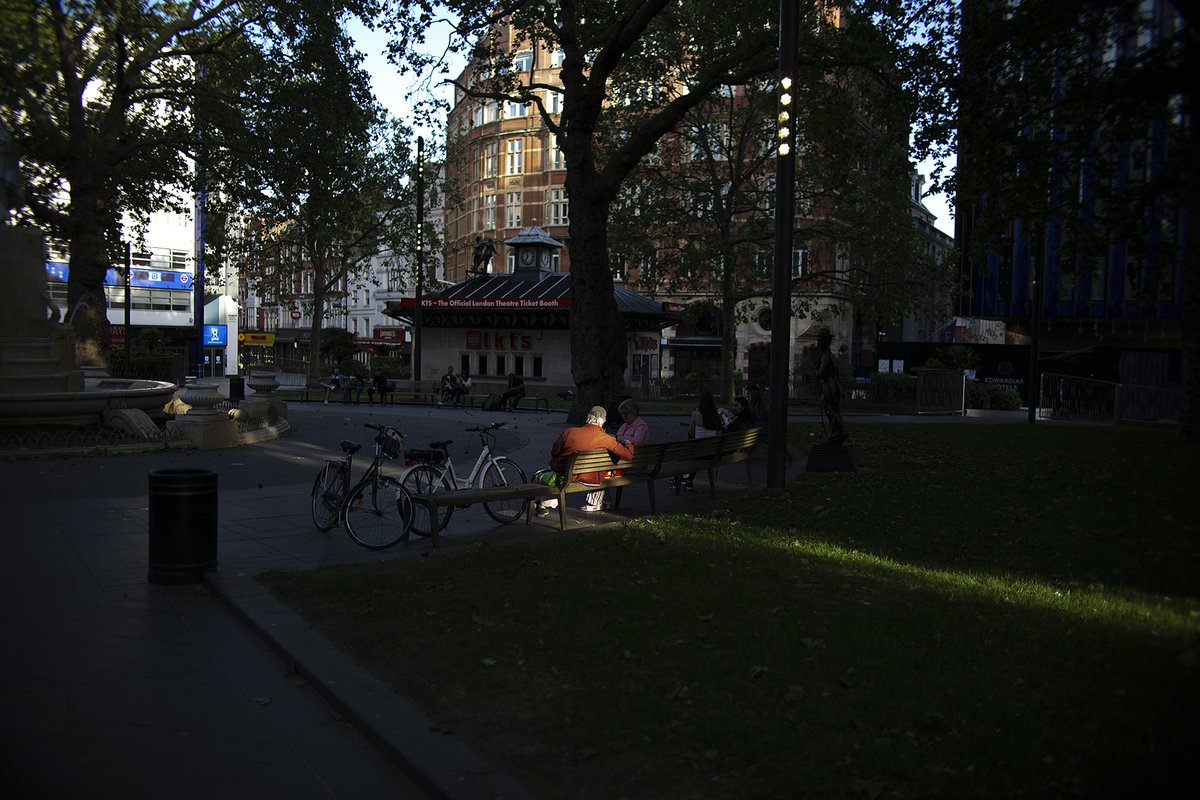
[(39, 382)]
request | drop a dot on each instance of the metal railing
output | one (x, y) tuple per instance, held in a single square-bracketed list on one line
[(1068, 397), (930, 391)]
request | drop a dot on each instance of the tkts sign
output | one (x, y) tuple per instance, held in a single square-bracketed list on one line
[(498, 340)]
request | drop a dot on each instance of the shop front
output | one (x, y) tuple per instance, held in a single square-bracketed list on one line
[(494, 324)]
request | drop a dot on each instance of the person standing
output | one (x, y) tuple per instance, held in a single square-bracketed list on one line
[(831, 388), (705, 422), (588, 436)]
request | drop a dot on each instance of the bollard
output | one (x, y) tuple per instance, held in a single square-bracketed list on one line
[(183, 524)]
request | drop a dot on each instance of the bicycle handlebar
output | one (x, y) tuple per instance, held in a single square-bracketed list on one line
[(384, 428)]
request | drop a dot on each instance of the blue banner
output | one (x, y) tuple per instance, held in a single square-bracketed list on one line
[(216, 336)]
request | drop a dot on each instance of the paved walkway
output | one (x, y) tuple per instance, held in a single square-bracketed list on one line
[(112, 686)]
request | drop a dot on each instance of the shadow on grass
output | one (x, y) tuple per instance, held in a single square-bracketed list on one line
[(1071, 505), (688, 657)]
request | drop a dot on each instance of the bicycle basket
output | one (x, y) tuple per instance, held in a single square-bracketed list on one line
[(390, 444), (505, 441)]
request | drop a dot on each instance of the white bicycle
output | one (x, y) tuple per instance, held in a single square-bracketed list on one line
[(489, 470)]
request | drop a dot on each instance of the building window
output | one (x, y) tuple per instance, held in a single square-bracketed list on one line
[(537, 366), (555, 158), (554, 101), (512, 209), (559, 207), (799, 262), (491, 112), (557, 59), (500, 365), (516, 156), (482, 365), (513, 109), (491, 159), (519, 365), (522, 62), (477, 116), (489, 211)]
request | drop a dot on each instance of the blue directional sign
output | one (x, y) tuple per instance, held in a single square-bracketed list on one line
[(216, 335)]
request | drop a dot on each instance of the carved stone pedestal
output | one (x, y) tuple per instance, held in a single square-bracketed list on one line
[(203, 425)]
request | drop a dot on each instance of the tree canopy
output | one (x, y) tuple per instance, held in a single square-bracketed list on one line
[(677, 54)]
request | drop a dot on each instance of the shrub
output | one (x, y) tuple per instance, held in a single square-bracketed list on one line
[(992, 395)]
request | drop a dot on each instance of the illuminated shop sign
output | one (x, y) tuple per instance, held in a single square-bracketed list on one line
[(60, 272)]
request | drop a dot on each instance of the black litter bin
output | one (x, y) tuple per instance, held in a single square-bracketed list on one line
[(183, 524), (237, 387)]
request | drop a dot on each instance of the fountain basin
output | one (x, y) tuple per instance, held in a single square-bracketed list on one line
[(87, 407)]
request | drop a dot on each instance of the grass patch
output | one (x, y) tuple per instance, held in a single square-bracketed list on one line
[(982, 612)]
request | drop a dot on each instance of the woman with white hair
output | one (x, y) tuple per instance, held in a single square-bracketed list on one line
[(588, 436)]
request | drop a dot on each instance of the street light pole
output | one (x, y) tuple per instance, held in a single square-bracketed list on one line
[(781, 299), (420, 271)]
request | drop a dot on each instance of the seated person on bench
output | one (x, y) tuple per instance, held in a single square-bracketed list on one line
[(514, 393), (589, 436)]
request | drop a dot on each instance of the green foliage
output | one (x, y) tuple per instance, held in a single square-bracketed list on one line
[(392, 366), (956, 356), (149, 340), (338, 346), (992, 395)]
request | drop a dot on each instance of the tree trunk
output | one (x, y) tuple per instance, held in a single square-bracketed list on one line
[(315, 370), (598, 347), (86, 303)]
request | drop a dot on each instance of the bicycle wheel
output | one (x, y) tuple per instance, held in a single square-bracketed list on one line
[(378, 512), (423, 479), (503, 471), (327, 495)]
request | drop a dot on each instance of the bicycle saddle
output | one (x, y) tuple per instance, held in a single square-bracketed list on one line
[(441, 445), (349, 447)]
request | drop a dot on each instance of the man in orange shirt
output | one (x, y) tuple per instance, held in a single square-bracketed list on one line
[(589, 436)]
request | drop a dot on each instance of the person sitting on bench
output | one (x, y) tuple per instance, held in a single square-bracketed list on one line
[(516, 390), (588, 436)]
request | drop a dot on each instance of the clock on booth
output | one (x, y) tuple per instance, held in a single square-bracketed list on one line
[(527, 256)]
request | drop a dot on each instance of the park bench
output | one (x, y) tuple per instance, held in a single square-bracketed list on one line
[(535, 402), (649, 462)]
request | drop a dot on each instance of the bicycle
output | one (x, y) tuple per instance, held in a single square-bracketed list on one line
[(378, 510), (489, 470)]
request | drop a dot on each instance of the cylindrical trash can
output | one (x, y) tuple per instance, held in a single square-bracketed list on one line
[(237, 387), (183, 524)]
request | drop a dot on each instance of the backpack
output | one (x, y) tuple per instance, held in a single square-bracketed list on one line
[(492, 402)]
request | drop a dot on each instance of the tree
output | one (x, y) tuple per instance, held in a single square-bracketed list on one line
[(98, 96), (316, 177), (698, 216), (682, 50)]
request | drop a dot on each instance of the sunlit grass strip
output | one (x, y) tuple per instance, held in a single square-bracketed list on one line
[(1088, 605)]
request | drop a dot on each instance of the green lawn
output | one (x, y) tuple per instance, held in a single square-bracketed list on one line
[(980, 611)]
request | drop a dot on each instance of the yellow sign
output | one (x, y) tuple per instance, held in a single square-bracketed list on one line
[(257, 339)]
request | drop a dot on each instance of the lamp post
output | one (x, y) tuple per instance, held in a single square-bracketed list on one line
[(781, 300), (416, 346)]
